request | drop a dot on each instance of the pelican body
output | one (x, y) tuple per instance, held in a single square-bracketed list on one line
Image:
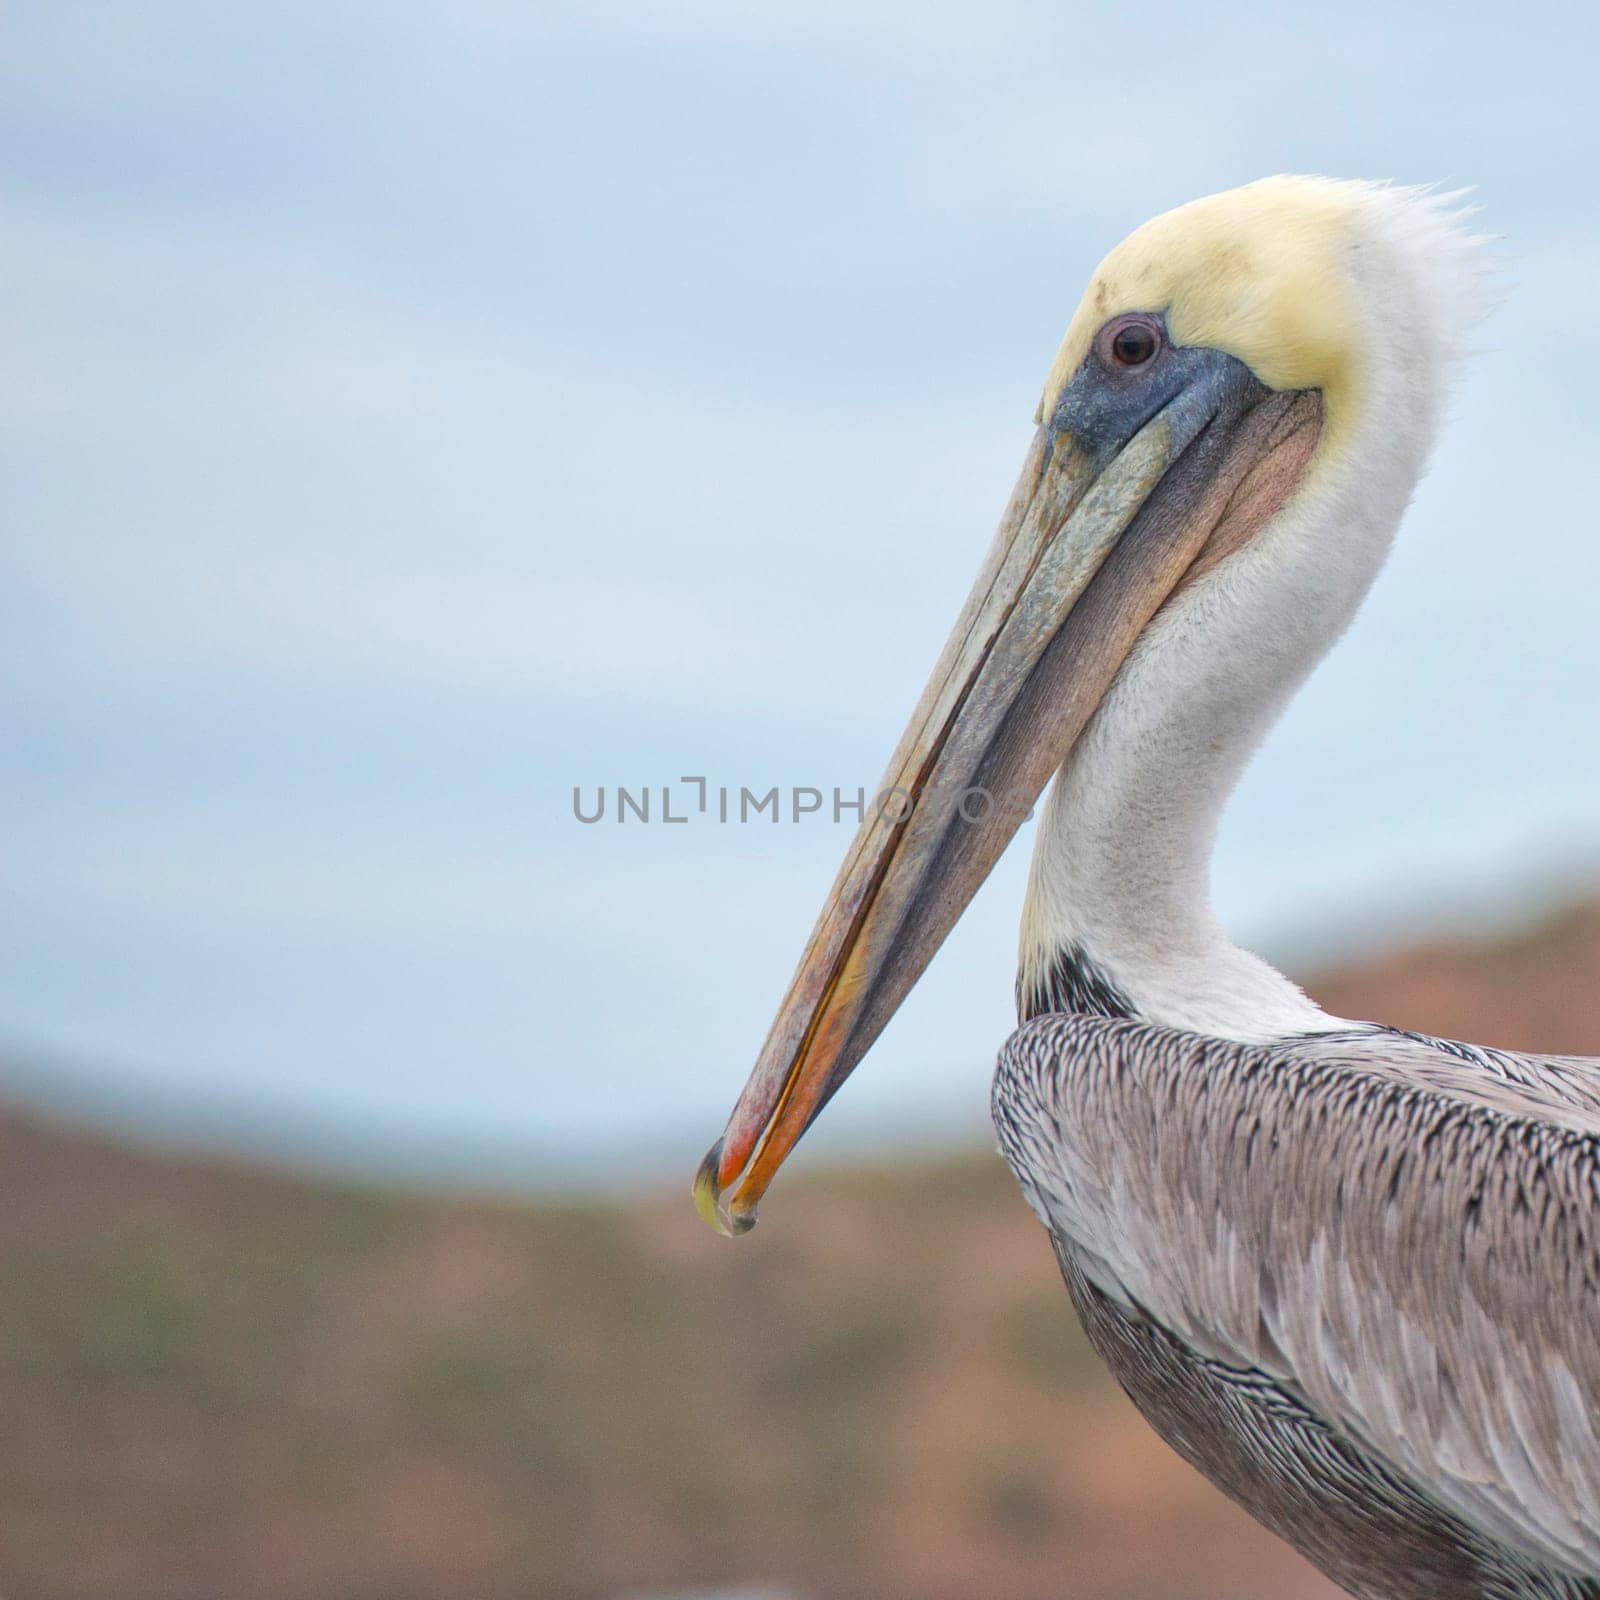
[(1351, 1274)]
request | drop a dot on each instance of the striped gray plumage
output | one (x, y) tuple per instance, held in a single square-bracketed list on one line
[(1352, 1277)]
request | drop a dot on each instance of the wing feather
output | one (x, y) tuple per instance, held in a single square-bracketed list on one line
[(1402, 1234)]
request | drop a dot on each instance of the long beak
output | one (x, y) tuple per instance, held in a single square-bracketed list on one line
[(1087, 552)]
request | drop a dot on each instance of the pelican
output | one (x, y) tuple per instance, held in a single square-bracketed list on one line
[(1350, 1273)]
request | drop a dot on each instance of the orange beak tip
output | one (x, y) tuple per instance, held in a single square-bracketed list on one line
[(729, 1221)]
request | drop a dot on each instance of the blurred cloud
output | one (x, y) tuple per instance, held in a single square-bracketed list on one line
[(412, 413)]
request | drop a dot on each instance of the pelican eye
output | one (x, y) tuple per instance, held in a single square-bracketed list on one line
[(1133, 344)]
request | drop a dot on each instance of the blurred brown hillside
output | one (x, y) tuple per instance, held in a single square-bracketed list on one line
[(216, 1382)]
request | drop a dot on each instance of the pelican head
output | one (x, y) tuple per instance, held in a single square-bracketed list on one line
[(1226, 439)]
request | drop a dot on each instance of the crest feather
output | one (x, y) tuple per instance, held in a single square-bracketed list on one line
[(1282, 274)]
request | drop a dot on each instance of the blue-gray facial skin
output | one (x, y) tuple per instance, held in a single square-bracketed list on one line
[(1105, 404)]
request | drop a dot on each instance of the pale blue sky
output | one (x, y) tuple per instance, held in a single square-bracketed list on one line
[(411, 411)]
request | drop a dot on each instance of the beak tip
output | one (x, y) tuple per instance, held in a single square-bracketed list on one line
[(727, 1221)]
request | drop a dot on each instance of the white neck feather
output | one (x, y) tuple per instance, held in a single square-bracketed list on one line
[(1121, 866)]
